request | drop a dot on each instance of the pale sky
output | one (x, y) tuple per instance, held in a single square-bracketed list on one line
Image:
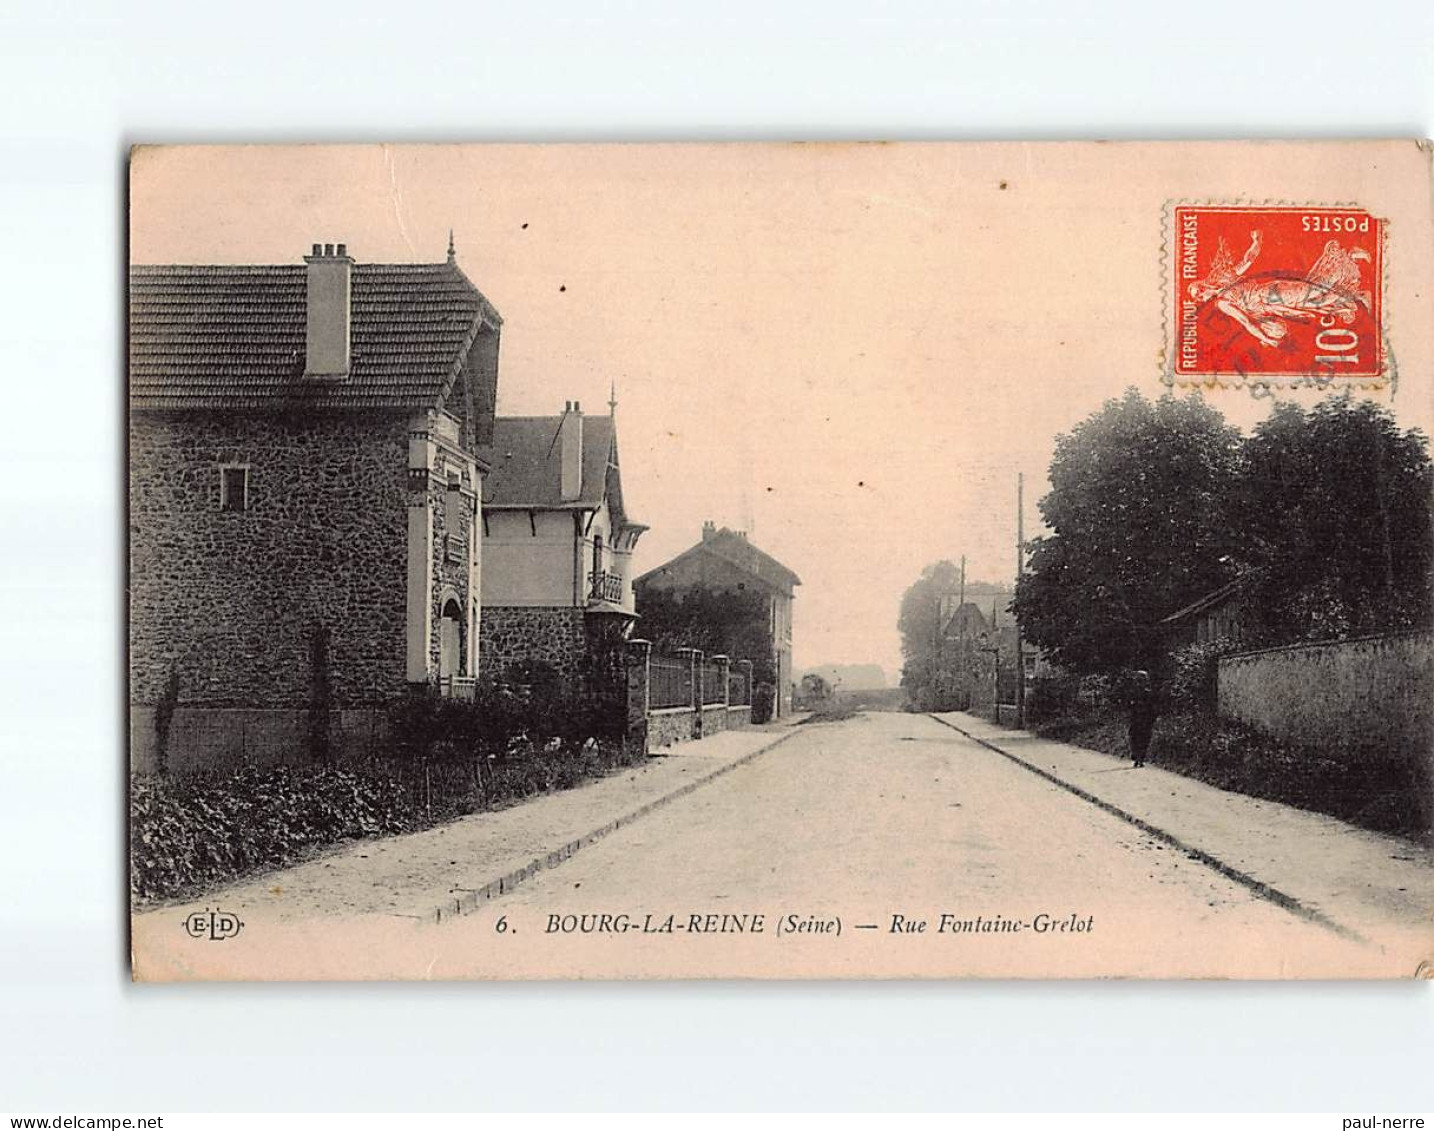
[(849, 350)]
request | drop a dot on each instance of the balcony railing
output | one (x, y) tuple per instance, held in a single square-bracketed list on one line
[(607, 587), (458, 686)]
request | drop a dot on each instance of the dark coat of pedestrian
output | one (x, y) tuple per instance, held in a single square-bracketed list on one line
[(1140, 697)]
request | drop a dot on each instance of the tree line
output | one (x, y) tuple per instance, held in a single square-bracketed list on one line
[(1322, 515)]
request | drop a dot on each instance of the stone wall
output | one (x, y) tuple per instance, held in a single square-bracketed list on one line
[(551, 635), (656, 728), (229, 600), (714, 719), (1377, 689), (673, 724), (450, 571), (222, 738)]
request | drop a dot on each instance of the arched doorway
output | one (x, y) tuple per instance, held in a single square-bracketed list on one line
[(450, 640)]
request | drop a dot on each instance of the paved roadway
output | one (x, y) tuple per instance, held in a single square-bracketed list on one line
[(861, 831)]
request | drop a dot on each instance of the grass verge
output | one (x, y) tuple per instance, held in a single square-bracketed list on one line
[(1370, 785)]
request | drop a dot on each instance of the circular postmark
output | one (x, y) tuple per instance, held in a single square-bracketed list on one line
[(1312, 315), (1276, 329)]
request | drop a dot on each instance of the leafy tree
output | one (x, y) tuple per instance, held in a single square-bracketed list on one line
[(728, 622), (1139, 513), (920, 624), (1334, 511)]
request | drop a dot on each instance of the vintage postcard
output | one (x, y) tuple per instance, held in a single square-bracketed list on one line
[(781, 561)]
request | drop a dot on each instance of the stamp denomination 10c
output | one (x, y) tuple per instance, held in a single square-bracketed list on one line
[(1274, 294)]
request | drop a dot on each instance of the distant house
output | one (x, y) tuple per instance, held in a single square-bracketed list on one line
[(558, 541), (1219, 614), (726, 559), (990, 623), (304, 481), (977, 663)]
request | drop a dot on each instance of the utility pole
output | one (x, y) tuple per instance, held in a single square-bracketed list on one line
[(935, 638), (962, 673), (1020, 570), (995, 663), (962, 603)]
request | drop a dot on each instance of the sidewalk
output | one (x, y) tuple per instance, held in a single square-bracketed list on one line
[(452, 868), (1377, 887)]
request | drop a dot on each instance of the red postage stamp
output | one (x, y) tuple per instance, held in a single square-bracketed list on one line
[(1267, 293)]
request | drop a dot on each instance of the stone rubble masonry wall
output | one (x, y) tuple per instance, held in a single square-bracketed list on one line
[(449, 577), (1377, 689), (229, 599), (555, 635), (671, 725), (218, 738), (637, 661), (679, 724), (665, 726), (714, 719)]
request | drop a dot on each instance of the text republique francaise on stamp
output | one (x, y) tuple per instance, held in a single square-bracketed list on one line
[(1276, 294)]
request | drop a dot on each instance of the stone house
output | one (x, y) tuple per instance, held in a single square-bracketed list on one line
[(989, 620), (558, 543), (726, 559), (975, 634), (304, 480)]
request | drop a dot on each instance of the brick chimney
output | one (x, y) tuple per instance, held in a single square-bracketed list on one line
[(570, 437), (328, 313), (709, 530)]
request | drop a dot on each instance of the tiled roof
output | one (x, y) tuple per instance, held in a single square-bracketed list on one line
[(527, 463), (734, 548), (1214, 597), (232, 337), (991, 609)]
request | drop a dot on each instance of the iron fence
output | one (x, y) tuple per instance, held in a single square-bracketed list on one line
[(739, 690), (669, 682), (714, 690)]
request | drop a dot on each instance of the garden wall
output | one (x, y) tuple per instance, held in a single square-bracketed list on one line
[(1375, 689), (669, 725), (225, 738), (655, 727)]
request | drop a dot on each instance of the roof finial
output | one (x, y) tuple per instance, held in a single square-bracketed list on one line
[(612, 399), (452, 255)]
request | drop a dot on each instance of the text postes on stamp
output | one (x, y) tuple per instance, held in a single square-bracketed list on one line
[(1275, 293)]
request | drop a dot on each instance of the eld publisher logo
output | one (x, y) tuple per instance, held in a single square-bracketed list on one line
[(213, 925)]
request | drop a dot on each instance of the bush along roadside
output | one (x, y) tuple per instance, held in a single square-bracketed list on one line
[(1374, 786), (449, 759), (188, 835)]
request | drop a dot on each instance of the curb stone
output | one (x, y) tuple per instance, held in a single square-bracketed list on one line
[(1229, 871), (473, 898)]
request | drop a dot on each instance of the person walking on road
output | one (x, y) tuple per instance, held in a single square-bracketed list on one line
[(1141, 695)]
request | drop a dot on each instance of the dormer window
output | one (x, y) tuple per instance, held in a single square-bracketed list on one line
[(234, 487)]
